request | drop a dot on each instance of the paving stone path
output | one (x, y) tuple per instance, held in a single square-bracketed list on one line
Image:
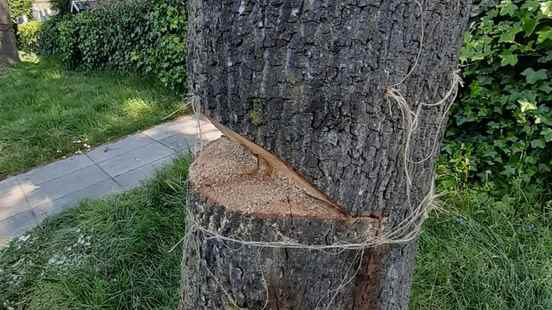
[(28, 198)]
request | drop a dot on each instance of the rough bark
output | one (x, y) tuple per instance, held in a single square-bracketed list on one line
[(232, 197), (308, 82), (8, 49)]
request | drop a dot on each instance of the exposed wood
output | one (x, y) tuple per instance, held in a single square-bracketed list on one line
[(276, 165)]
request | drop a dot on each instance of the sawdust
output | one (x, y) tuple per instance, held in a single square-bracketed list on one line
[(228, 174)]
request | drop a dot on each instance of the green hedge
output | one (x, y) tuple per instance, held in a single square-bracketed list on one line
[(144, 36), (502, 126), (27, 36)]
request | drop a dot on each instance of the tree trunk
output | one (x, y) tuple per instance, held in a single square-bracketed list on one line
[(315, 84), (8, 49), (233, 197)]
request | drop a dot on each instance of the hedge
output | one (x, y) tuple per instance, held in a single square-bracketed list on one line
[(144, 36), (502, 126)]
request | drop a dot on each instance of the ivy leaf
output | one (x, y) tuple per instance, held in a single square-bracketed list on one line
[(508, 58), (547, 134), (546, 58), (546, 8), (507, 8), (529, 23), (527, 105), (509, 35), (544, 34), (538, 143), (546, 88), (533, 76)]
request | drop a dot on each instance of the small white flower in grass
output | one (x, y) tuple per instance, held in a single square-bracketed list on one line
[(23, 238)]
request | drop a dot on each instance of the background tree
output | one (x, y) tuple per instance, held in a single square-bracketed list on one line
[(343, 101), (8, 49)]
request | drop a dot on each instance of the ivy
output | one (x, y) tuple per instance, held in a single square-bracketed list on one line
[(502, 126)]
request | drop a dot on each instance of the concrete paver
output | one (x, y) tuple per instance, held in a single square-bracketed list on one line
[(97, 190), (135, 159), (62, 186), (56, 169), (115, 149), (135, 177)]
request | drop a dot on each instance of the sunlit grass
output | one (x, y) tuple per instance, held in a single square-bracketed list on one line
[(113, 253), (45, 108)]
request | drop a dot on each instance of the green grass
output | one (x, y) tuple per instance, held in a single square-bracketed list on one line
[(48, 112), (491, 249), (107, 254)]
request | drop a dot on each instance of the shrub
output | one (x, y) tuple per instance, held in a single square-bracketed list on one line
[(20, 8), (503, 124), (27, 35), (144, 36)]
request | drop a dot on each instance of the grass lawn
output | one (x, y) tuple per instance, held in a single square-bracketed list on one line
[(107, 254), (48, 112), (486, 252)]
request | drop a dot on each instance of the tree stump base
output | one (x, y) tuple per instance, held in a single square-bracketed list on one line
[(235, 195)]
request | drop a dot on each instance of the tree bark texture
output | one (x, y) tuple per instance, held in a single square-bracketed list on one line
[(8, 49), (309, 82), (306, 80), (232, 197)]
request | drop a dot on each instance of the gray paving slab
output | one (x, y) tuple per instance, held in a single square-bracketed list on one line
[(137, 176), (9, 210), (8, 185), (183, 125), (179, 143), (12, 198), (111, 150), (62, 186), (135, 159), (18, 224), (98, 190), (55, 169)]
